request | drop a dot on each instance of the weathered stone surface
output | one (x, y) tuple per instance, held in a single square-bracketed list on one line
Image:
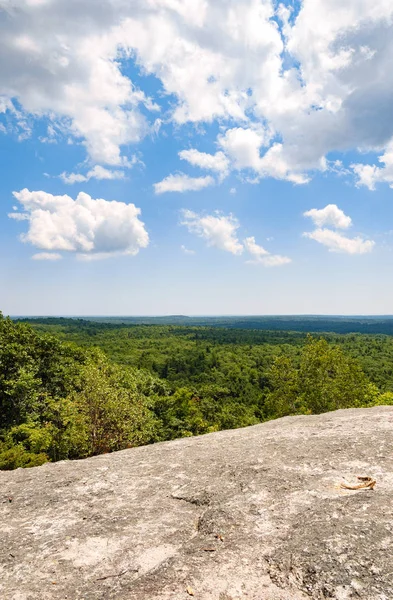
[(255, 513)]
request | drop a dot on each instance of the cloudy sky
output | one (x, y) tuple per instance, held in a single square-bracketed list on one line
[(196, 157)]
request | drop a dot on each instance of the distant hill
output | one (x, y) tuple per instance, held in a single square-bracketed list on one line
[(312, 324)]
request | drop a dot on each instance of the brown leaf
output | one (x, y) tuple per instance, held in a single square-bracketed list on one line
[(366, 483)]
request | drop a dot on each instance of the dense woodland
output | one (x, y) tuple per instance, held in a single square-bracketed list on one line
[(303, 323), (75, 388)]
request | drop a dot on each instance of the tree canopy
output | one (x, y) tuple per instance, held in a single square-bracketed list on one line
[(69, 391)]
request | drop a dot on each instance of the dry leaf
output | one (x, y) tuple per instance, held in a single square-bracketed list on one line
[(366, 483)]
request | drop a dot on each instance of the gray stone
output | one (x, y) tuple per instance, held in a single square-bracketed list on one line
[(255, 513)]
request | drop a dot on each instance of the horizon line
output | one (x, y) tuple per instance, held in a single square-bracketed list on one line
[(196, 316)]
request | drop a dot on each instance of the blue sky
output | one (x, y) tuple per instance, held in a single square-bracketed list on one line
[(161, 160)]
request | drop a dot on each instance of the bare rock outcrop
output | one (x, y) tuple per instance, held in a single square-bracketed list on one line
[(255, 513)]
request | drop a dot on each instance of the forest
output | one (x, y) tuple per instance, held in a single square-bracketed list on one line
[(305, 323), (73, 388)]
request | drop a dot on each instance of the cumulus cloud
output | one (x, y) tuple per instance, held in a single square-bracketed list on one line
[(62, 59), (91, 228), (286, 88), (336, 242), (97, 172), (330, 215), (244, 149), (276, 164), (212, 162), (218, 230), (333, 240), (182, 183), (221, 231), (370, 175), (262, 256)]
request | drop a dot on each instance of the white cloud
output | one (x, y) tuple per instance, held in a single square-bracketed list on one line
[(343, 51), (17, 216), (88, 227), (367, 175), (262, 256), (253, 248), (276, 164), (336, 242), (218, 230), (370, 175), (221, 231), (63, 62), (47, 256), (51, 136), (286, 91), (182, 183), (97, 172), (212, 162), (187, 250), (330, 215), (243, 147)]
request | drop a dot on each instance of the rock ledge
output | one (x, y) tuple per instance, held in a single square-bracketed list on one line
[(255, 513)]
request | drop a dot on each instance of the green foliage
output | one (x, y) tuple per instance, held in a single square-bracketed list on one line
[(325, 379), (32, 367), (58, 401), (71, 389), (115, 413), (283, 398), (182, 415), (385, 399), (16, 457), (254, 324), (329, 380)]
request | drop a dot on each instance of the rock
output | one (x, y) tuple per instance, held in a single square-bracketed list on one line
[(255, 513)]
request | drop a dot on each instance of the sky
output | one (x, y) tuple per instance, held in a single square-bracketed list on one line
[(196, 157)]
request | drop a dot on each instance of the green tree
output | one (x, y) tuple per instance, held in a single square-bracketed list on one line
[(325, 379), (114, 410), (283, 398), (58, 401), (329, 379)]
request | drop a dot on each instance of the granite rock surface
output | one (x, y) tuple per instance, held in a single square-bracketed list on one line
[(255, 513)]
